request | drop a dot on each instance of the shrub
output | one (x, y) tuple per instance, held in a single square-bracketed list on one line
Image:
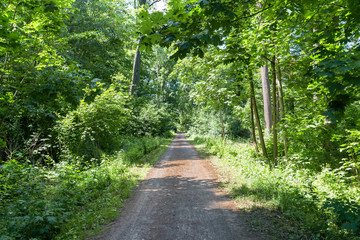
[(38, 202), (26, 211), (151, 120), (94, 128), (135, 148)]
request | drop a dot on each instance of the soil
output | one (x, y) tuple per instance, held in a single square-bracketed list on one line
[(181, 198)]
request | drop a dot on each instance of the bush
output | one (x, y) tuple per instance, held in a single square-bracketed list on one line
[(151, 120), (135, 148), (28, 119), (38, 202), (44, 200), (94, 128), (26, 210)]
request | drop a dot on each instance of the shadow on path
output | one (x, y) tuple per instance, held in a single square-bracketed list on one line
[(180, 199)]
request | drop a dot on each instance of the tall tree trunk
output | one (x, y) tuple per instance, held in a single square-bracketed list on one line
[(273, 71), (135, 81), (265, 86), (253, 125), (266, 97), (281, 105), (158, 85), (221, 118), (222, 124), (261, 137)]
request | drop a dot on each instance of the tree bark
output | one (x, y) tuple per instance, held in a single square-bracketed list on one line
[(222, 124), (253, 125), (261, 137), (273, 71), (135, 81), (266, 97), (221, 118), (281, 105), (158, 84)]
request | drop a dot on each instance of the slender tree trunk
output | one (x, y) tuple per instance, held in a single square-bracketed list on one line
[(266, 97), (158, 85), (261, 137), (277, 103), (273, 71), (253, 125), (281, 105), (222, 124), (135, 81), (221, 119)]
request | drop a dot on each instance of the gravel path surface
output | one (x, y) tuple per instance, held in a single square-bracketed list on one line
[(179, 199)]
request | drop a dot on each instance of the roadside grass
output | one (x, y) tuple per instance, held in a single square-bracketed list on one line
[(285, 202), (261, 215), (67, 202), (92, 218)]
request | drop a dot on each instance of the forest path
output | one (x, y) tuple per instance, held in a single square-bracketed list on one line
[(180, 199)]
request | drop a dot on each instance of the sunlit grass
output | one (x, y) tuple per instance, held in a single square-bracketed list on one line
[(316, 205)]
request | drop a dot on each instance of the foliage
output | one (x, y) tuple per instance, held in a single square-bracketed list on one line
[(313, 43), (351, 163), (51, 51), (212, 85), (135, 148), (94, 128), (38, 202), (64, 70), (35, 80), (204, 122), (99, 34), (151, 120), (156, 84), (320, 201)]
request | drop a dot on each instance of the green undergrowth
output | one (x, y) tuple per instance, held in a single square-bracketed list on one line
[(68, 201), (321, 205)]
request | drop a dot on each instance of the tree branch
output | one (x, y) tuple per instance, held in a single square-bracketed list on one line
[(266, 58), (156, 1), (254, 14)]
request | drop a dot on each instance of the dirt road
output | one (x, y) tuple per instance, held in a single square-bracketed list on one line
[(179, 199)]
